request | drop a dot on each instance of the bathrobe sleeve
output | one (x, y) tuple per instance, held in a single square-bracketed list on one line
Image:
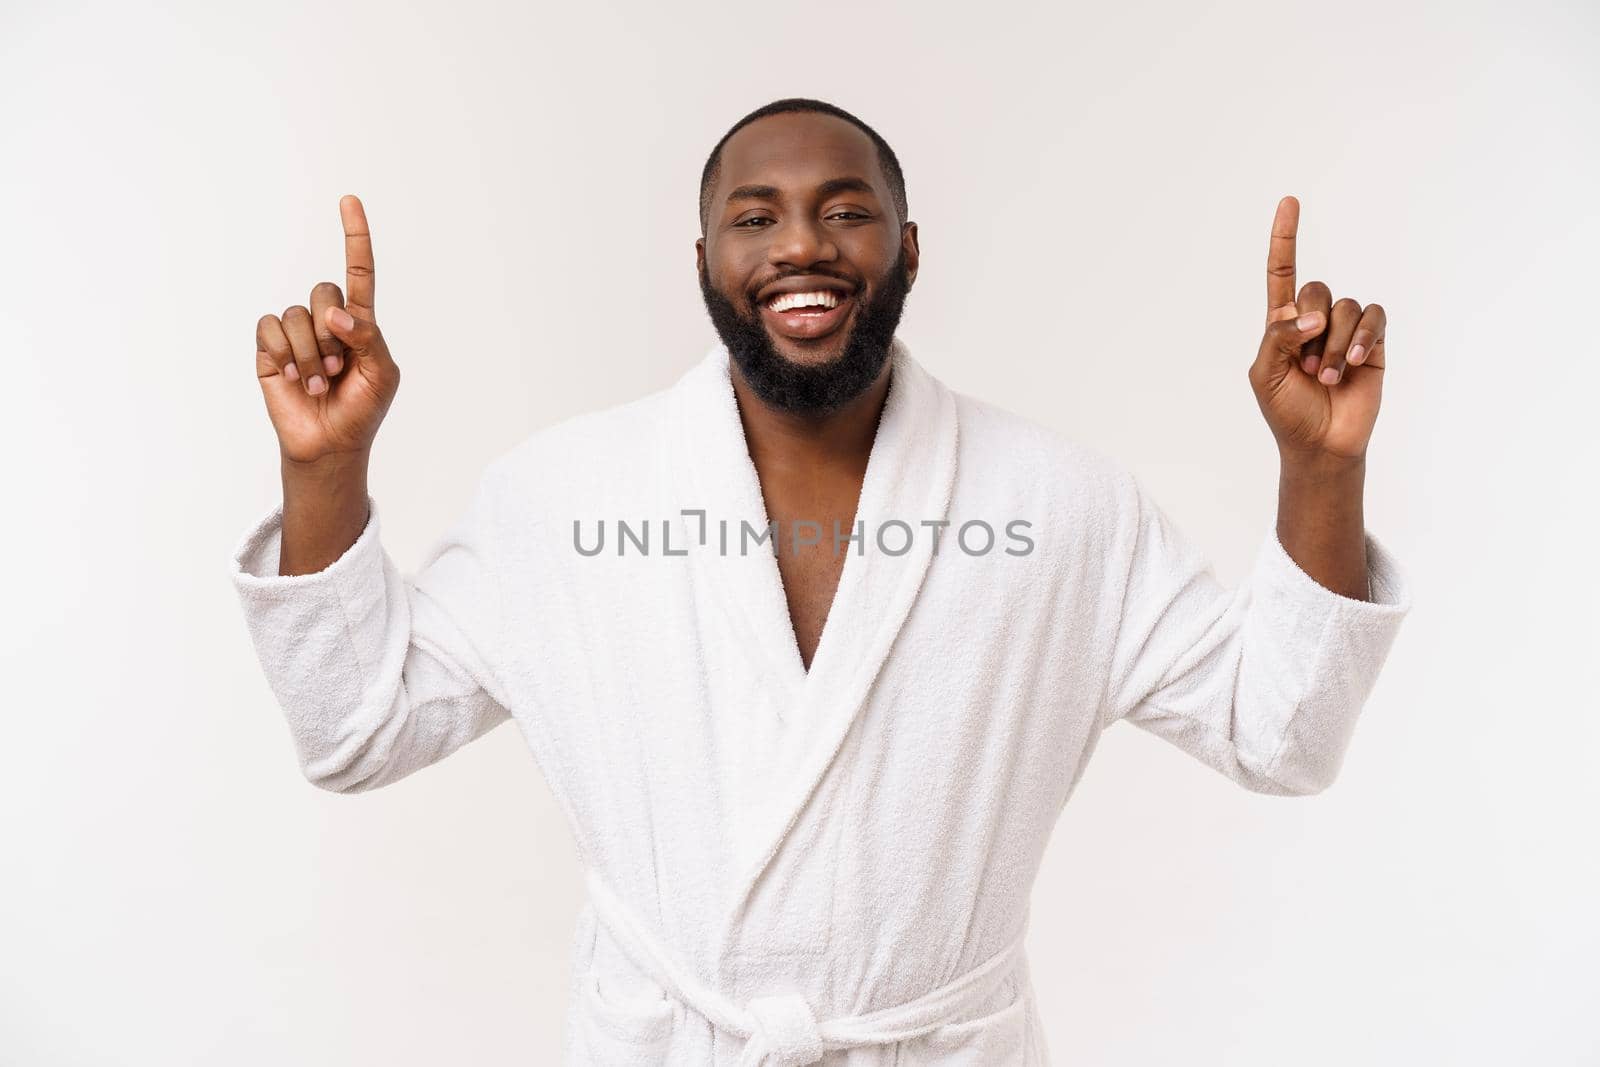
[(1262, 682), (378, 674)]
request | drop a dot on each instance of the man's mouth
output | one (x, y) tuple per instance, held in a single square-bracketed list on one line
[(807, 315)]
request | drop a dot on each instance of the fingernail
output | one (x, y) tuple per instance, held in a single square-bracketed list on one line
[(1309, 320), (1330, 376), (341, 318), (291, 372), (1309, 364), (316, 386), (1357, 353), (331, 364)]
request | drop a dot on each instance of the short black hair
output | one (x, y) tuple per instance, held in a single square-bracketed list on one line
[(886, 157)]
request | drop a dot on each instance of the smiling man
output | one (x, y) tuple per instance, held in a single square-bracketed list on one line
[(804, 215), (812, 721)]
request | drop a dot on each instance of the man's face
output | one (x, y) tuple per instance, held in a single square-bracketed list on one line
[(801, 206)]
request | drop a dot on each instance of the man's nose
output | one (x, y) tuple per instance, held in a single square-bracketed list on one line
[(800, 243)]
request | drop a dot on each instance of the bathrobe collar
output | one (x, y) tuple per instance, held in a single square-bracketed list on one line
[(910, 476)]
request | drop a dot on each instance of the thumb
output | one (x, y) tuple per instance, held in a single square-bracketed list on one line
[(1286, 337), (360, 336), (1279, 356)]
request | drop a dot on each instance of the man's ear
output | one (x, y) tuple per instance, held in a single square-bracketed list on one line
[(699, 255), (908, 241)]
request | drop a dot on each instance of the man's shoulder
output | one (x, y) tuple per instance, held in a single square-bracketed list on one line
[(1005, 443), (602, 462), (601, 442)]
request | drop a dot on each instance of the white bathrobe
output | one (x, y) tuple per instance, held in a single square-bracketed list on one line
[(789, 867)]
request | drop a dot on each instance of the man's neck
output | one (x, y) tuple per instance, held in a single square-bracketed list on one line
[(810, 457)]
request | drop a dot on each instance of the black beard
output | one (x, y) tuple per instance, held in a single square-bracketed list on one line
[(804, 390)]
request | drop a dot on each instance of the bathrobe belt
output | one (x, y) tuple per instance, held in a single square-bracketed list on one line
[(781, 1030)]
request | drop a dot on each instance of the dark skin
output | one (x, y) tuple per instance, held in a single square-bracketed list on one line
[(328, 378), (800, 195), (1318, 379)]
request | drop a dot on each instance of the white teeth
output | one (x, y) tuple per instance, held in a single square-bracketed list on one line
[(789, 301)]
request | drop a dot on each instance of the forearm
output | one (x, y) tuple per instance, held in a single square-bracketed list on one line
[(1321, 523), (324, 511)]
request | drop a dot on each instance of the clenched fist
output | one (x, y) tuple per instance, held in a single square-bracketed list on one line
[(326, 373)]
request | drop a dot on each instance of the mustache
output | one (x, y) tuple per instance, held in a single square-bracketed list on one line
[(754, 292), (811, 389)]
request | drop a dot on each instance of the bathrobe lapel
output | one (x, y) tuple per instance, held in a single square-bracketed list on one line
[(910, 476)]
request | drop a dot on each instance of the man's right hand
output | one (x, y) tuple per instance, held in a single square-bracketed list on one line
[(325, 372)]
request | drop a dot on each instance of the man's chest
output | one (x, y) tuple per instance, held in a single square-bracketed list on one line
[(810, 565)]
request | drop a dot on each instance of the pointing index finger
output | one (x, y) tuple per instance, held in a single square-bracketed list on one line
[(358, 280), (1280, 261)]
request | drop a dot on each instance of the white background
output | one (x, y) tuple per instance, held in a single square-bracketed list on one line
[(1094, 190)]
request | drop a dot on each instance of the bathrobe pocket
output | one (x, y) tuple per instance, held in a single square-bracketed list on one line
[(999, 1036), (627, 1019), (626, 1028)]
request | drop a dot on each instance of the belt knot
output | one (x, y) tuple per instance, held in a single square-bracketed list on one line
[(783, 1033)]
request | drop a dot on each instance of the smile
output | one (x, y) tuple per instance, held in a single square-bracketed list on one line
[(808, 315)]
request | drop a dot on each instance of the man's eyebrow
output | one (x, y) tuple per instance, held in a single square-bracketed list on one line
[(826, 189), (845, 185), (754, 192)]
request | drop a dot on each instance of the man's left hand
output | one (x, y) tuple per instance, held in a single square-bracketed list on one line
[(1319, 373)]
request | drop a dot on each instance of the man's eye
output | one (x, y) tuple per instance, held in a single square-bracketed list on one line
[(847, 214), (750, 221)]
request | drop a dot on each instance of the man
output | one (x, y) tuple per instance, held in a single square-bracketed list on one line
[(811, 649)]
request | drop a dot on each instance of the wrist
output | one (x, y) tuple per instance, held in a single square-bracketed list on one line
[(324, 510), (1321, 470), (335, 472), (1321, 521), (1320, 498)]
